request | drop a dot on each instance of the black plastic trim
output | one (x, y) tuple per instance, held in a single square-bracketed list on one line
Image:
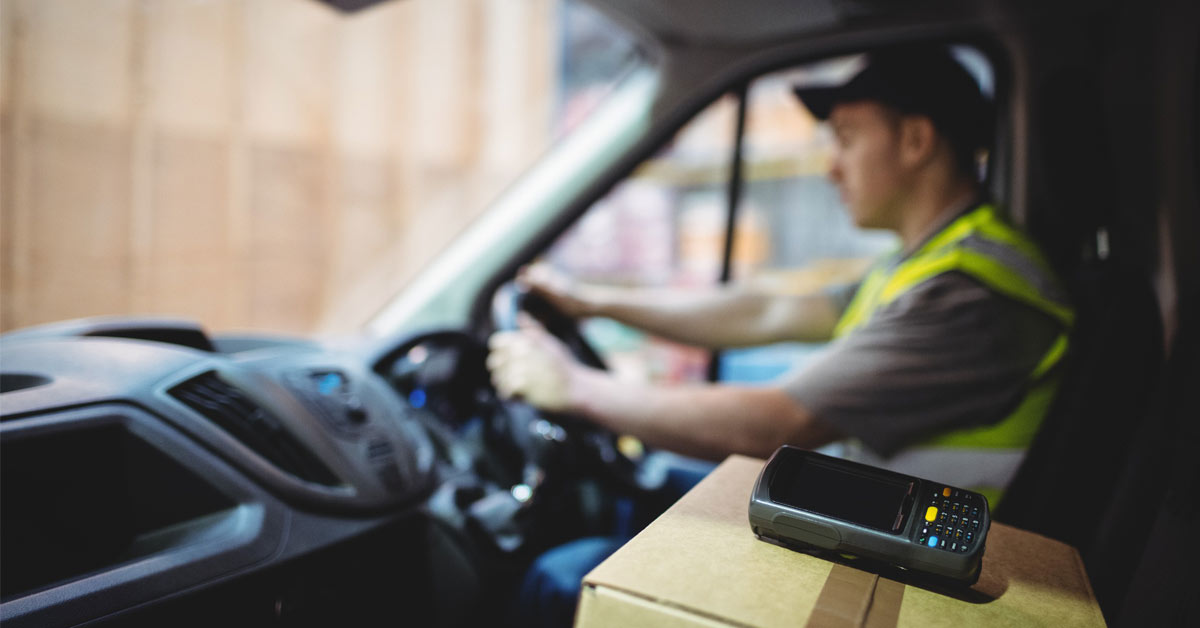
[(218, 545)]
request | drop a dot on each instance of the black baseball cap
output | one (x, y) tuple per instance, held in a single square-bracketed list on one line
[(914, 80)]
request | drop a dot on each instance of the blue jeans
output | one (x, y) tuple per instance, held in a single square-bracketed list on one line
[(550, 588)]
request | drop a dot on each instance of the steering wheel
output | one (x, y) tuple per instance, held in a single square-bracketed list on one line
[(600, 445), (561, 326)]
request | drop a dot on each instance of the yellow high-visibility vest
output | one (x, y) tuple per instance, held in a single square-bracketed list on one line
[(981, 245)]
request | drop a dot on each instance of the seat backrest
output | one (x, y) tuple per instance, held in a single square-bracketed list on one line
[(1074, 469), (1069, 475), (1143, 559)]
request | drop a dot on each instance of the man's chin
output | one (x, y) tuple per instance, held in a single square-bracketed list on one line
[(864, 222)]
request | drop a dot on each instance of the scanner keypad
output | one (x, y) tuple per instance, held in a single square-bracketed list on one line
[(951, 521)]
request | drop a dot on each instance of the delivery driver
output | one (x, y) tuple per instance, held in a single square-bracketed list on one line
[(941, 364)]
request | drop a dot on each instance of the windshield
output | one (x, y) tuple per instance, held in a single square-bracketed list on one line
[(444, 292), (278, 166)]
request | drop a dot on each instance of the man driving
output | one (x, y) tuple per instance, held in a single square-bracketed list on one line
[(942, 359)]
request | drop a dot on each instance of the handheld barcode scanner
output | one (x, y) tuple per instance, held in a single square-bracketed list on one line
[(803, 499)]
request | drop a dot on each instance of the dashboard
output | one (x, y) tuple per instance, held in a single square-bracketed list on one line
[(152, 473)]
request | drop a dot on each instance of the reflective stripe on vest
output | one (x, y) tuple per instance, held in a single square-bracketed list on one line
[(984, 247)]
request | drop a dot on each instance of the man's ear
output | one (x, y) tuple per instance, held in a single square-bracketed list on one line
[(918, 140)]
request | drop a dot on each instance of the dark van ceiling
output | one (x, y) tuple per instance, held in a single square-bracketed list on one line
[(711, 21), (352, 5)]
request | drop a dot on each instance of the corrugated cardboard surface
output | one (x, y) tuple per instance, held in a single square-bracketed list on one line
[(700, 565)]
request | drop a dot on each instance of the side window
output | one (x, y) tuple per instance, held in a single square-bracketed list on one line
[(664, 226)]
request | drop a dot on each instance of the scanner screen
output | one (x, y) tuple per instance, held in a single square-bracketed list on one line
[(873, 500)]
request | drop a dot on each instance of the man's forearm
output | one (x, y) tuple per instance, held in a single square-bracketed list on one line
[(717, 318), (699, 420)]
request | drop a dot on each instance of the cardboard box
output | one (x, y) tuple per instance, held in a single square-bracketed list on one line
[(700, 565)]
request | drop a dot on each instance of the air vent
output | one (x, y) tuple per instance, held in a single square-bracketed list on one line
[(256, 428)]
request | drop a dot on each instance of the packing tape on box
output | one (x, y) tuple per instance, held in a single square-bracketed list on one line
[(854, 598)]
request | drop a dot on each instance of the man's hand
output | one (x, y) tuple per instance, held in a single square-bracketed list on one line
[(557, 288), (703, 420), (531, 365)]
